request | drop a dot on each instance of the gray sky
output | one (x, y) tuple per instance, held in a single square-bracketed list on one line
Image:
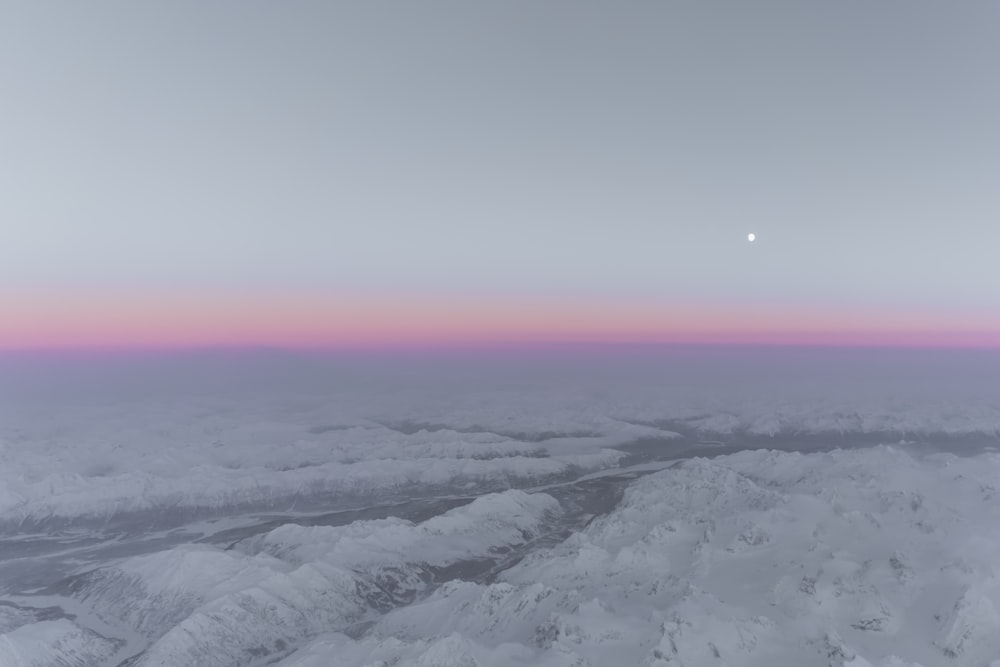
[(579, 148)]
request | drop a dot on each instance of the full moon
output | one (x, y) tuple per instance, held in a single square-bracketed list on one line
[(751, 237)]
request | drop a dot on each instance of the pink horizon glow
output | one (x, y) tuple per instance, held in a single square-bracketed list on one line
[(43, 321)]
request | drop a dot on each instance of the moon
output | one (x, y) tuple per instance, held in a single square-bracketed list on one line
[(751, 237)]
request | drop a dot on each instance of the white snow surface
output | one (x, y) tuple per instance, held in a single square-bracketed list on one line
[(57, 643), (201, 605), (462, 534), (126, 442), (880, 554), (847, 558)]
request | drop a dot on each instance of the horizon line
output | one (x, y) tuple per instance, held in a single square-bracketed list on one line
[(487, 346)]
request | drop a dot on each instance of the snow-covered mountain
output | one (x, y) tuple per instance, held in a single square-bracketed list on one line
[(746, 511), (760, 558), (850, 557)]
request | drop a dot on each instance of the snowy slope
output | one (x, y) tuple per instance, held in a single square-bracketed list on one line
[(846, 558), (203, 605), (97, 464), (220, 442), (201, 524), (57, 643)]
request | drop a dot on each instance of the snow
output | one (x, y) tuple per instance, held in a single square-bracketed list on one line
[(204, 605), (130, 442), (207, 487), (872, 557), (57, 643), (510, 514), (852, 557), (488, 522)]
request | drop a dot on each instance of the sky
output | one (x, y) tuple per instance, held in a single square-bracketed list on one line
[(391, 173)]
